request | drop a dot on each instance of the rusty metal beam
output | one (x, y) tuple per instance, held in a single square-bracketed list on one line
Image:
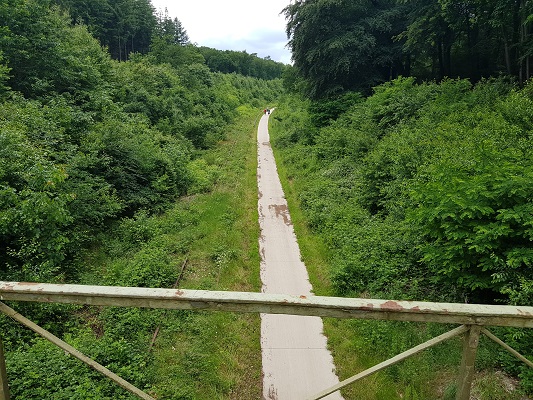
[(468, 314)]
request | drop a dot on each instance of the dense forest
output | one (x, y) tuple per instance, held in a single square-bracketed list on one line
[(346, 45), (109, 118), (407, 142)]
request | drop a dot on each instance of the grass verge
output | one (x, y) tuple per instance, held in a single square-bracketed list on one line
[(197, 355), (220, 352)]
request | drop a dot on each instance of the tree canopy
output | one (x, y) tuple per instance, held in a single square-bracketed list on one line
[(241, 62), (126, 27), (341, 45)]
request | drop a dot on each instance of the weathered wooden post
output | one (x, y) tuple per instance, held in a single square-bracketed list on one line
[(4, 387), (466, 372)]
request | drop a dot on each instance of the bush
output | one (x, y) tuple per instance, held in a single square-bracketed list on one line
[(423, 192), (43, 371), (34, 212)]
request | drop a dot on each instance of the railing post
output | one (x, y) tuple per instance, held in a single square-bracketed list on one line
[(4, 387), (466, 373)]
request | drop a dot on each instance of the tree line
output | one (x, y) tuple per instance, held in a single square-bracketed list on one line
[(125, 27), (344, 45)]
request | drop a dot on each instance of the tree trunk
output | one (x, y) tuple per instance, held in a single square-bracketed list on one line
[(507, 55), (441, 60), (407, 66), (448, 60), (521, 58), (515, 53)]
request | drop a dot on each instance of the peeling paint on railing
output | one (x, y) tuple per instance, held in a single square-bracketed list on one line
[(338, 307)]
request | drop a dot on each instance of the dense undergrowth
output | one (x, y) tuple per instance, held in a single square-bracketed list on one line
[(212, 237), (418, 192), (119, 173)]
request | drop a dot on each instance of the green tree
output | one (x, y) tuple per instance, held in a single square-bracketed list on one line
[(229, 61), (146, 168), (53, 205), (171, 30), (123, 26), (345, 45), (4, 77), (174, 54), (428, 40), (46, 55), (474, 39), (33, 210)]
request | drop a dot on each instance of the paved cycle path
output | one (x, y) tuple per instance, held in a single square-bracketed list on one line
[(296, 362)]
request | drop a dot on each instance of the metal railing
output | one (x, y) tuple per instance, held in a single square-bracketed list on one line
[(472, 318)]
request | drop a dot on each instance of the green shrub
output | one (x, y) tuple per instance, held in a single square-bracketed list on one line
[(43, 371), (423, 192), (34, 213)]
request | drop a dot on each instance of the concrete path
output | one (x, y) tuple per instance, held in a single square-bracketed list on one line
[(296, 362)]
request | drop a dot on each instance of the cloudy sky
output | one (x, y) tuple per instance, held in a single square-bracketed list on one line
[(251, 25)]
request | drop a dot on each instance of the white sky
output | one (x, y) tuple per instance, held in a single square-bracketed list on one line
[(251, 25)]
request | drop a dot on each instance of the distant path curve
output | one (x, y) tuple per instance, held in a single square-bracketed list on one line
[(296, 362)]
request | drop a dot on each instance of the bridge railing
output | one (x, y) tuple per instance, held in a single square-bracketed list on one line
[(472, 318)]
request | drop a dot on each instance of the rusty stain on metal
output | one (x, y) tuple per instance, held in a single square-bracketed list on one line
[(496, 315), (368, 307), (392, 305)]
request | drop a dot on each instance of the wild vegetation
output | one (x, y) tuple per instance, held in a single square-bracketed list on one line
[(112, 173), (406, 143), (122, 164), (420, 192)]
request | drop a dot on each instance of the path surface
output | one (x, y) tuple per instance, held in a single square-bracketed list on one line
[(296, 362)]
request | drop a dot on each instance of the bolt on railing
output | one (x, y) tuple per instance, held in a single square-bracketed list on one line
[(472, 318)]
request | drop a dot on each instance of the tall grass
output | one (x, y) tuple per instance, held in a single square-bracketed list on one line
[(218, 355), (214, 234)]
